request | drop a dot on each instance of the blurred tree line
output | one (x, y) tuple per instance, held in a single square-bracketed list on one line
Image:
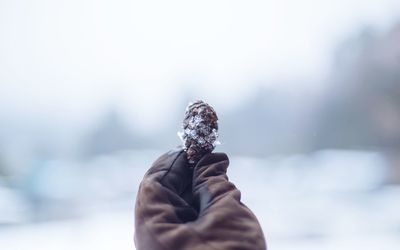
[(360, 109)]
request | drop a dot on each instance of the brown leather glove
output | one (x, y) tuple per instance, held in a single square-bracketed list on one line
[(198, 209)]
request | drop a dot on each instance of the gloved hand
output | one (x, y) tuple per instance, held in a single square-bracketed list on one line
[(196, 209)]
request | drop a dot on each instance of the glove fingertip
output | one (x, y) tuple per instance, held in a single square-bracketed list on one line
[(212, 158), (165, 161)]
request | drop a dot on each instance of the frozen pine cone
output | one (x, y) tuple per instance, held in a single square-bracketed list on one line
[(200, 131)]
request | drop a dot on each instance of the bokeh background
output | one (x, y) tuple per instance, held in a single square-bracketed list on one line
[(307, 92)]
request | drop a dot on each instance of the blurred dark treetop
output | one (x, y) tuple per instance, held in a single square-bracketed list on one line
[(359, 110), (362, 106)]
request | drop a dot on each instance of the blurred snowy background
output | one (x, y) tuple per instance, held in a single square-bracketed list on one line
[(307, 92)]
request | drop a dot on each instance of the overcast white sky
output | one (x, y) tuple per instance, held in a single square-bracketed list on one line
[(70, 59)]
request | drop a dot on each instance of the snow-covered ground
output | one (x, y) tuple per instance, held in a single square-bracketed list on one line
[(326, 200)]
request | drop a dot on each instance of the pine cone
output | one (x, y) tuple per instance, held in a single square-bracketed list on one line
[(200, 131)]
